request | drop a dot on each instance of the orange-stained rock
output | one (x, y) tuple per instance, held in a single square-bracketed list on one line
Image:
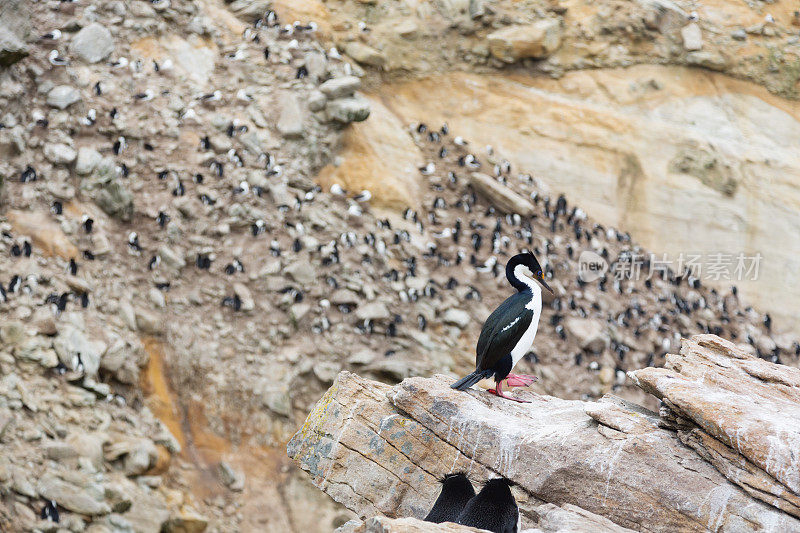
[(644, 149), (45, 233), (193, 57), (380, 156), (163, 459), (305, 11)]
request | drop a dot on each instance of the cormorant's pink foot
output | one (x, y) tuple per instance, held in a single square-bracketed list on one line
[(521, 380), (498, 391)]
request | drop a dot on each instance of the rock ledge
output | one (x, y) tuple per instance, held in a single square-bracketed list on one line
[(705, 461)]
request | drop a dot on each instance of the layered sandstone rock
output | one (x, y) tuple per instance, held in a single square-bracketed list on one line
[(536, 40), (380, 524), (739, 412), (616, 104), (503, 197), (647, 149), (552, 519), (379, 449)]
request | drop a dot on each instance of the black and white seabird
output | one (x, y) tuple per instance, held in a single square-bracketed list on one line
[(508, 333), (493, 508), (50, 511), (55, 58), (51, 36), (456, 492)]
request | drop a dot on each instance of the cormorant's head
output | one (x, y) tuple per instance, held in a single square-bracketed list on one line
[(525, 264)]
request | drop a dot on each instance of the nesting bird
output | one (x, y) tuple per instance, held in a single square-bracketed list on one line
[(55, 58)]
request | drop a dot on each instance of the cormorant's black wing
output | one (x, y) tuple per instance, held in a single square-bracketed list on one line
[(502, 330)]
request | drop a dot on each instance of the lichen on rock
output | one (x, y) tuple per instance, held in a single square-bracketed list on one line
[(379, 449)]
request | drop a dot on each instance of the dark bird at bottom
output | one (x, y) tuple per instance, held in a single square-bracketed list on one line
[(508, 333), (456, 492), (493, 508)]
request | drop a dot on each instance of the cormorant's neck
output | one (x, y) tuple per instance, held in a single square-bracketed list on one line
[(520, 281)]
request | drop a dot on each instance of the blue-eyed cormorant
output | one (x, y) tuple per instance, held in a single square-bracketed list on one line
[(508, 333)]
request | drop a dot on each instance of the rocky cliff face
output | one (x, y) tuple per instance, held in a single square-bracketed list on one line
[(177, 291), (645, 113), (702, 462), (647, 149)]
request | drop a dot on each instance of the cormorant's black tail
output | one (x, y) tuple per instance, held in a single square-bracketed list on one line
[(470, 380)]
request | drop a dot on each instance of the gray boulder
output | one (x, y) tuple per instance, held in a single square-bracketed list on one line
[(62, 96), (590, 334), (87, 160), (93, 43), (59, 153), (12, 48), (350, 109), (692, 36), (72, 343), (149, 323), (536, 40), (302, 272), (115, 200), (456, 317), (316, 101), (373, 311), (290, 121), (14, 26), (247, 9), (365, 54), (71, 496), (501, 196), (709, 60), (340, 87)]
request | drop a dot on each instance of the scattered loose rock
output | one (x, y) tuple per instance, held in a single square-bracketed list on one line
[(536, 40), (692, 37), (349, 109), (365, 54), (62, 96), (71, 497), (87, 160), (60, 154), (340, 87), (93, 43), (504, 197)]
